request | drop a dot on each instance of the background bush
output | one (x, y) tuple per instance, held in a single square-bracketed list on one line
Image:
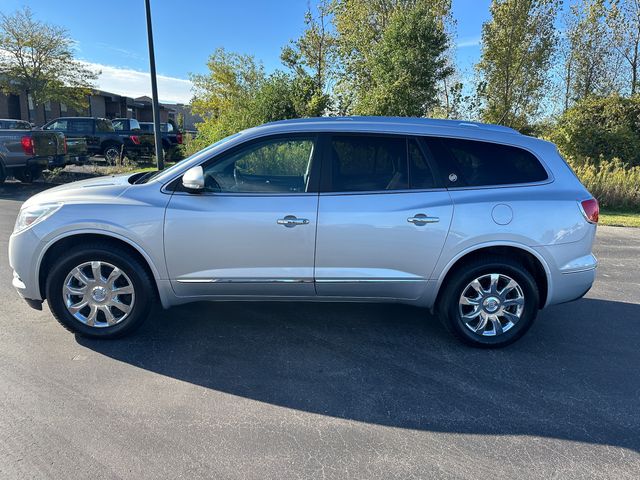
[(615, 184)]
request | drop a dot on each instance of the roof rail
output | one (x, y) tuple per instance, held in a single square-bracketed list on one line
[(433, 122)]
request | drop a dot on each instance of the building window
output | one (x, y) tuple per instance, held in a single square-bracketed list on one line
[(47, 106), (63, 107), (30, 101)]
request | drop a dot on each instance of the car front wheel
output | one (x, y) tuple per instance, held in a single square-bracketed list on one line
[(490, 303), (100, 291)]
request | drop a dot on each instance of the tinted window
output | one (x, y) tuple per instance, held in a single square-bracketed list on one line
[(272, 166), (367, 163), (482, 163), (420, 174), (15, 125), (103, 125), (57, 125), (80, 126)]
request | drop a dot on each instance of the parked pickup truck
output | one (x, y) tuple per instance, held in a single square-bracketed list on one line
[(103, 139), (171, 134), (24, 153)]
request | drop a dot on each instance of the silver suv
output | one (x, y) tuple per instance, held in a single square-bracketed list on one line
[(475, 222)]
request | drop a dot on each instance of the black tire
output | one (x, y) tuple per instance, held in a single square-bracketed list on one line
[(3, 174), (112, 152), (457, 283), (141, 280), (27, 174)]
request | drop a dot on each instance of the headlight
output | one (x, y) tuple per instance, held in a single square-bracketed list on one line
[(34, 214)]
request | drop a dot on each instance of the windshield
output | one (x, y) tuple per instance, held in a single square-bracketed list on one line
[(152, 175)]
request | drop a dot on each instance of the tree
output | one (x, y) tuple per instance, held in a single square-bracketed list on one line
[(590, 63), (236, 94), (393, 55), (624, 22), (38, 58), (517, 47), (312, 57)]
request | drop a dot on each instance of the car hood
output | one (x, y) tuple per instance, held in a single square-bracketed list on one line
[(99, 189)]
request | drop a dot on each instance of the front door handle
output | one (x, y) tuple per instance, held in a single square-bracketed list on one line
[(422, 219), (291, 221)]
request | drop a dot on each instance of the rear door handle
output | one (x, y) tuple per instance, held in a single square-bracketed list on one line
[(422, 219), (291, 221)]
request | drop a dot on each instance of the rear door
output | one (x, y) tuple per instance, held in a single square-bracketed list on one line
[(382, 218)]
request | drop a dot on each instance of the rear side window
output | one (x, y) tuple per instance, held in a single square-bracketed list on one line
[(79, 126), (368, 163), (475, 163)]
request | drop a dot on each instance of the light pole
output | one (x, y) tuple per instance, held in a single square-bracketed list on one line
[(154, 90)]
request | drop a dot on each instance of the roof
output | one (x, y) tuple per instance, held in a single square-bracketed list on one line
[(382, 122)]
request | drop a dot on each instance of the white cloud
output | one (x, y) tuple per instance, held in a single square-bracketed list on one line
[(133, 83), (468, 42)]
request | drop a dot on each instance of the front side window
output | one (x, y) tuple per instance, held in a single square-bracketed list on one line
[(272, 166), (118, 125), (57, 125), (103, 125), (368, 163), (476, 163)]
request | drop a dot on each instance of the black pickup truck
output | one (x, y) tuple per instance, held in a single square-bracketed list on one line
[(171, 135), (103, 139)]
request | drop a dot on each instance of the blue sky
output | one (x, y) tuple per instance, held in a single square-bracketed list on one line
[(111, 34)]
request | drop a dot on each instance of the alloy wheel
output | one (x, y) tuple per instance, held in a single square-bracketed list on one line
[(98, 294), (491, 304)]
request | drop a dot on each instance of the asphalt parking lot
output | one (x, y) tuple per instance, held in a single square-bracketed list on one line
[(261, 391)]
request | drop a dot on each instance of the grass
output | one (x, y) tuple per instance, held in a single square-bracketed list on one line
[(619, 218)]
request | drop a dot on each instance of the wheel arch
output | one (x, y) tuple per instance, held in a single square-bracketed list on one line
[(74, 238), (532, 261)]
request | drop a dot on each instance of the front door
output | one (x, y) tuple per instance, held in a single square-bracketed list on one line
[(382, 220), (252, 231)]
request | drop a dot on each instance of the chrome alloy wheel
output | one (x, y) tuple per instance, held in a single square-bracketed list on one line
[(491, 304), (98, 294)]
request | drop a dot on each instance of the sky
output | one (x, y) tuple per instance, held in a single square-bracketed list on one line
[(111, 36)]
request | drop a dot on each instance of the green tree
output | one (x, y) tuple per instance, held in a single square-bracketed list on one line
[(624, 22), (392, 53), (236, 94), (312, 58), (590, 65), (517, 47), (38, 58)]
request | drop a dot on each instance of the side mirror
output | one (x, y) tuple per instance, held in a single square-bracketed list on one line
[(193, 179)]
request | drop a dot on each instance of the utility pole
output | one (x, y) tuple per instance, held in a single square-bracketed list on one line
[(154, 90)]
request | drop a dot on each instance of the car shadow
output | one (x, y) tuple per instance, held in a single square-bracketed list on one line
[(573, 376)]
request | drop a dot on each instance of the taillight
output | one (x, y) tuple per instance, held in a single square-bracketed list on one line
[(590, 210), (135, 139), (179, 138), (27, 145)]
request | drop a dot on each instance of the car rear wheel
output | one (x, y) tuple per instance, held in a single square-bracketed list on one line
[(490, 303), (27, 174), (111, 153), (100, 291)]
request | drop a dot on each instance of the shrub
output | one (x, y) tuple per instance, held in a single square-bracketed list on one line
[(600, 128), (615, 184)]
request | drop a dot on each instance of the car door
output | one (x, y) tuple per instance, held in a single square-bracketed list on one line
[(382, 218), (252, 231)]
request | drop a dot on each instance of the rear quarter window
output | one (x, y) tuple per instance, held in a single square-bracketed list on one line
[(475, 163)]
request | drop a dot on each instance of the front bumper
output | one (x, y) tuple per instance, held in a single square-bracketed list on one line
[(23, 259)]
